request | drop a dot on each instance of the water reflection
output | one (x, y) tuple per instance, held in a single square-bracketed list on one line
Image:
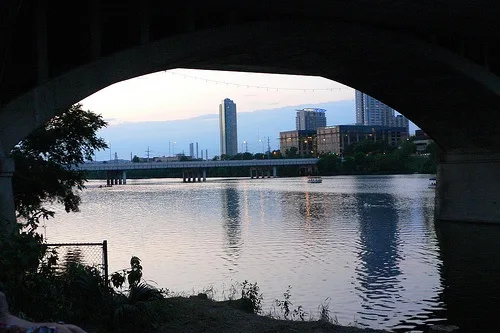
[(311, 207), (231, 222), (378, 267), (368, 243)]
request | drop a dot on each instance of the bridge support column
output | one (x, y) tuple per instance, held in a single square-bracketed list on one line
[(124, 177), (183, 176), (204, 175), (275, 172), (7, 207), (468, 187)]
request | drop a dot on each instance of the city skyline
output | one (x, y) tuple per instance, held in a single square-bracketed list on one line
[(180, 91), (186, 93)]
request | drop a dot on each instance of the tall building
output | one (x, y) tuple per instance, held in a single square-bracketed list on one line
[(191, 150), (310, 119), (228, 128), (402, 121), (370, 111)]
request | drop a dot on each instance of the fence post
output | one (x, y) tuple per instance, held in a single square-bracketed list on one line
[(105, 259)]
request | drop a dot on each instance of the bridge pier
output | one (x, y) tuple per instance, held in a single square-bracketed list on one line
[(7, 207), (468, 187), (275, 172), (116, 177), (204, 174)]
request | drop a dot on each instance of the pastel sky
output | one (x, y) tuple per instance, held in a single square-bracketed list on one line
[(187, 93)]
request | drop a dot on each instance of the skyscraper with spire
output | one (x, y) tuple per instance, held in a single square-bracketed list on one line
[(228, 128)]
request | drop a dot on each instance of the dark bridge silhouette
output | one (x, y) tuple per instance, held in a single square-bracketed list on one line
[(192, 170), (436, 62)]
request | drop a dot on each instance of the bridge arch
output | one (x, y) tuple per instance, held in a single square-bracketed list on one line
[(433, 87), (451, 98)]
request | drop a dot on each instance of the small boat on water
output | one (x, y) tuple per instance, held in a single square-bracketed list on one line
[(314, 179), (432, 183)]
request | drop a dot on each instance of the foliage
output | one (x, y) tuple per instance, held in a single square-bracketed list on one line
[(242, 156), (329, 164), (251, 292), (136, 159), (46, 158), (133, 275), (368, 157), (285, 304), (292, 152), (259, 156), (134, 309), (31, 277)]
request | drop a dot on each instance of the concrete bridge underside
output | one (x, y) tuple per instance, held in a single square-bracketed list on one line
[(436, 62)]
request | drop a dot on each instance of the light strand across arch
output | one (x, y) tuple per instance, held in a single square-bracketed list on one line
[(256, 86)]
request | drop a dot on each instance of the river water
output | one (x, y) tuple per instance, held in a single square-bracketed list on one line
[(366, 246)]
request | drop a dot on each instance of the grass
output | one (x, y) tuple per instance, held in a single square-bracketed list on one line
[(225, 310)]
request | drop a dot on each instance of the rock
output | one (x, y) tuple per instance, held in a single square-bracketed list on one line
[(200, 295), (443, 328)]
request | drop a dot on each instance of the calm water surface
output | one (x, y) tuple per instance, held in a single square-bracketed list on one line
[(367, 243)]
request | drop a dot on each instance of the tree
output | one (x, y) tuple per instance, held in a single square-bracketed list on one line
[(329, 164), (259, 156), (46, 160), (136, 159), (247, 156), (292, 152)]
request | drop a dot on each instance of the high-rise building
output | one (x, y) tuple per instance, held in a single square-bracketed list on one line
[(310, 119), (228, 128), (402, 121), (191, 150), (370, 111)]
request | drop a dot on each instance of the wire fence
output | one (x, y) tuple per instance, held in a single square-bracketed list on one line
[(90, 254)]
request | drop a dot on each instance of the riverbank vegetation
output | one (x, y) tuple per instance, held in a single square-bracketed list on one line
[(368, 157), (40, 286)]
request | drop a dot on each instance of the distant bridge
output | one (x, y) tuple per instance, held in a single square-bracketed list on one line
[(192, 170)]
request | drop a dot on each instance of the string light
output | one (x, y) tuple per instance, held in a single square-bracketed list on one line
[(254, 86)]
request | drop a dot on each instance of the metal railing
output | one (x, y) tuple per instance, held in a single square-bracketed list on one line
[(89, 254)]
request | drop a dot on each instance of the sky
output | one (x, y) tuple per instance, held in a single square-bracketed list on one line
[(135, 108), (186, 93)]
